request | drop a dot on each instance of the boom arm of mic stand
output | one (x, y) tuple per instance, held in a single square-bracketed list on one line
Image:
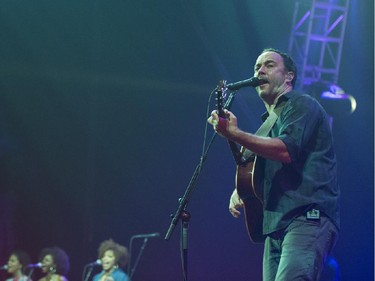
[(181, 212), (185, 199)]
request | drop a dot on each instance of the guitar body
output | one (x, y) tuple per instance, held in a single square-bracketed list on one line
[(248, 179), (248, 186)]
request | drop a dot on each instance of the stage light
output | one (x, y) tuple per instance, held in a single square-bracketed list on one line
[(333, 98)]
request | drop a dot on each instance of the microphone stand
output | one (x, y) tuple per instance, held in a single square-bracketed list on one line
[(30, 273), (145, 240), (181, 212), (87, 275)]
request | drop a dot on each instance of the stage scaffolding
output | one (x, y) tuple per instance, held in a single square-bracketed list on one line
[(316, 39)]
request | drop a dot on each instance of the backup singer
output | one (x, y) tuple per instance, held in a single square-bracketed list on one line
[(17, 263), (55, 264), (113, 258)]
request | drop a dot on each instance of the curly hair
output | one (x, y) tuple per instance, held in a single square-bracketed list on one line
[(23, 258), (120, 252), (60, 259)]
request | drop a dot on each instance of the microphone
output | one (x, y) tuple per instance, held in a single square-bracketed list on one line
[(4, 267), (95, 263), (35, 265), (251, 82), (151, 235)]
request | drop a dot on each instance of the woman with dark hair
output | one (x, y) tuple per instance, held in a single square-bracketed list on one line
[(17, 262), (113, 257), (55, 264)]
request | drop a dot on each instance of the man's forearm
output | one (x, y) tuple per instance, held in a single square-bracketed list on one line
[(270, 148)]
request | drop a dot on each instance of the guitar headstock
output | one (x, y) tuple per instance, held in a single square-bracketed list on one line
[(220, 96)]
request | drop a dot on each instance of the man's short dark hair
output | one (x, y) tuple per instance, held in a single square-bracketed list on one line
[(289, 63)]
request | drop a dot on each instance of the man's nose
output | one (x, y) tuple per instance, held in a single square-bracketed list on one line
[(261, 70)]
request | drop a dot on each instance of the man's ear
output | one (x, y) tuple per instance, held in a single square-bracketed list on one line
[(290, 76)]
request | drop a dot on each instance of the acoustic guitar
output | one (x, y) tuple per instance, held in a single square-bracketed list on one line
[(248, 178)]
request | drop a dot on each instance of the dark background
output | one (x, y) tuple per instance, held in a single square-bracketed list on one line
[(102, 113)]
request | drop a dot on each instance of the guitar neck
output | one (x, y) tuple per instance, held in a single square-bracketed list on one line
[(237, 155), (220, 90)]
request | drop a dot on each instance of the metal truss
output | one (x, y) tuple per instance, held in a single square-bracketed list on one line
[(316, 39)]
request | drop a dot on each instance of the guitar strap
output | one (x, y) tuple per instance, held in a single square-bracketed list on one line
[(263, 131)]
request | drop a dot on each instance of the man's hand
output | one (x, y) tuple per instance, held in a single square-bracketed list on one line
[(214, 119), (235, 203), (226, 127)]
